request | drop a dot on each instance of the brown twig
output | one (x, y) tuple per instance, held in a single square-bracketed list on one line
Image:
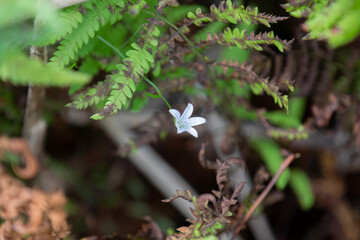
[(261, 197), (34, 124)]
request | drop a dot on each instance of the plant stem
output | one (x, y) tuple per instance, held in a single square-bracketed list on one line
[(111, 46), (180, 32), (132, 36), (282, 168), (157, 90)]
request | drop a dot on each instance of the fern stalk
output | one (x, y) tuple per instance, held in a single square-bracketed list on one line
[(266, 191), (182, 35)]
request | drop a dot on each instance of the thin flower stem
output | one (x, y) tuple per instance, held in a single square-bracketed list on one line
[(132, 36), (157, 90), (146, 79), (111, 46)]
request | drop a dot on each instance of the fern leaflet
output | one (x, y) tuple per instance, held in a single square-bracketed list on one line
[(92, 96)]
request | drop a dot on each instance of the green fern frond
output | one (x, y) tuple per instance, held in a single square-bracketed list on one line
[(258, 85), (20, 69), (337, 22), (227, 12), (92, 96), (137, 64), (98, 13), (300, 8), (68, 19), (271, 90), (243, 40), (334, 20)]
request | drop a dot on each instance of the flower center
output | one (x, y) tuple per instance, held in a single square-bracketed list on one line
[(179, 124)]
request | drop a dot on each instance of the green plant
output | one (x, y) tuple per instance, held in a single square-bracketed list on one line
[(144, 54), (211, 211), (16, 66), (152, 48), (334, 20)]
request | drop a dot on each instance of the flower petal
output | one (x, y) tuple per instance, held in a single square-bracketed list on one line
[(192, 131), (187, 113), (175, 113), (180, 130), (194, 121)]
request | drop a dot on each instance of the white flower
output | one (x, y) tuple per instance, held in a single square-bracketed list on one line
[(184, 123)]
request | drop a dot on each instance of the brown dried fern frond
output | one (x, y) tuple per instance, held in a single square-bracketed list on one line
[(211, 211), (222, 173), (204, 162), (30, 214), (186, 195), (20, 146)]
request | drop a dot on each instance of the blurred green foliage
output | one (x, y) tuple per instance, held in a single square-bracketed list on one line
[(16, 35), (108, 44), (334, 20), (300, 183), (10, 113)]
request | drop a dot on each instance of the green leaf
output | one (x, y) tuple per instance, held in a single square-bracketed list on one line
[(96, 116), (301, 185), (127, 91), (297, 107), (271, 154), (191, 15), (156, 32), (281, 119), (279, 46), (148, 56), (131, 83)]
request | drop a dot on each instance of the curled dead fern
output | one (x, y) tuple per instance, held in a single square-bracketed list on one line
[(211, 211), (186, 195)]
